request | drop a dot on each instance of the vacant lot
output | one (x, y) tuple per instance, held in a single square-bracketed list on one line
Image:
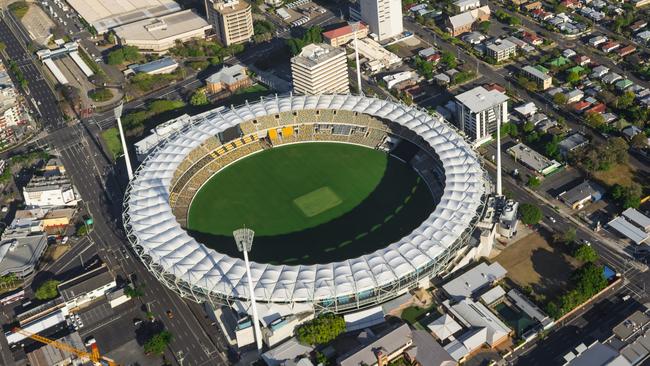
[(618, 173), (533, 261)]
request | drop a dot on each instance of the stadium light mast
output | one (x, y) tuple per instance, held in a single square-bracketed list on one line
[(118, 116), (499, 189), (355, 28), (244, 240)]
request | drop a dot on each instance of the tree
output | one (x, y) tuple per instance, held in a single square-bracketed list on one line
[(115, 57), (594, 119), (585, 253), (449, 59), (625, 100), (552, 148), (639, 141), (533, 182), (199, 98), (133, 292), (514, 21), (48, 290), (573, 77), (484, 26), (529, 127), (158, 343), (321, 330), (530, 214), (559, 99)]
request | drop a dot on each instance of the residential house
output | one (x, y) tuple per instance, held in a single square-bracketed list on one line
[(626, 50), (599, 71), (580, 195), (596, 41), (465, 5), (623, 84), (643, 37), (382, 348), (597, 108), (611, 78), (532, 38), (638, 25), (568, 53), (582, 60), (572, 142), (610, 46), (537, 5), (574, 95)]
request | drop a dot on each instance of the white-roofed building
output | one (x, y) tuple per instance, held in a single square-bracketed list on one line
[(474, 280), (474, 315), (104, 16), (444, 327), (159, 34), (320, 68), (480, 111)]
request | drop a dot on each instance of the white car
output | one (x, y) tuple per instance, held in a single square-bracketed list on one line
[(64, 240), (552, 219)]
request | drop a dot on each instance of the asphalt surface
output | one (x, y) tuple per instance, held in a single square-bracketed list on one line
[(38, 92)]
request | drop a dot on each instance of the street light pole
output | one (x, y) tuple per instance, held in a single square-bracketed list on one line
[(355, 29), (244, 239), (118, 117)]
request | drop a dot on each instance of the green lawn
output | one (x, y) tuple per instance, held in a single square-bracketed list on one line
[(416, 316), (111, 138), (341, 200)]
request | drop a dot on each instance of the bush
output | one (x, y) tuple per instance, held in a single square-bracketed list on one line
[(585, 253), (199, 98), (533, 182), (530, 214), (133, 292), (100, 94), (157, 344), (48, 290), (321, 330)]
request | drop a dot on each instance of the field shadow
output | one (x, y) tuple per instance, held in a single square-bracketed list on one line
[(396, 206)]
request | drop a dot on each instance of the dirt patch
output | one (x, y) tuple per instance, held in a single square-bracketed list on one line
[(622, 174), (55, 252), (535, 262)]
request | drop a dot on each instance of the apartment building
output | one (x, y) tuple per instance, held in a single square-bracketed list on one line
[(232, 20), (480, 112), (320, 69), (384, 17)]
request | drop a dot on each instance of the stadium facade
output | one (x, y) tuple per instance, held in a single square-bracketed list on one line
[(159, 196)]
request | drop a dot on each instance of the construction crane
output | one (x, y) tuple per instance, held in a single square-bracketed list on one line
[(93, 356)]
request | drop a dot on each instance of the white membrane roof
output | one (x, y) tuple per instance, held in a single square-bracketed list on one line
[(154, 227)]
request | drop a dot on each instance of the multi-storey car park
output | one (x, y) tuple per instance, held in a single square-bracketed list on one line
[(158, 199)]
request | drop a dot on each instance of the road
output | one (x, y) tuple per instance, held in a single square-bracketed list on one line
[(46, 104), (102, 194)]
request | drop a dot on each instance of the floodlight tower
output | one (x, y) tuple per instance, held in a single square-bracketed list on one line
[(118, 116), (499, 189), (244, 240), (355, 29)]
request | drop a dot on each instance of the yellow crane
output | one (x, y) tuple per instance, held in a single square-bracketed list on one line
[(93, 356)]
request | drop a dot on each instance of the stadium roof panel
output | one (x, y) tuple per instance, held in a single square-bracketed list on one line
[(158, 237)]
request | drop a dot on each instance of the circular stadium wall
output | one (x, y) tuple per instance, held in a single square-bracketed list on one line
[(159, 196)]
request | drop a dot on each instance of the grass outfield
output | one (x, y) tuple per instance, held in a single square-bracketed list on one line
[(311, 203)]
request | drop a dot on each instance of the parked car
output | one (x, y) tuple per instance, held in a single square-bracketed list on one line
[(170, 315)]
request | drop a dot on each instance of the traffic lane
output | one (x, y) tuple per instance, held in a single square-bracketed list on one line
[(104, 236), (595, 324)]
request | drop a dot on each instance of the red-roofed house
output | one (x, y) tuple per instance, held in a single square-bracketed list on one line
[(638, 25), (626, 50), (598, 108), (495, 86), (533, 38), (340, 36), (581, 106), (571, 4), (610, 46)]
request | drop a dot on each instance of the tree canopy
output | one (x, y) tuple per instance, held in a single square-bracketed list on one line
[(48, 290), (530, 214), (313, 35), (585, 253), (157, 344), (321, 330), (199, 98)]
